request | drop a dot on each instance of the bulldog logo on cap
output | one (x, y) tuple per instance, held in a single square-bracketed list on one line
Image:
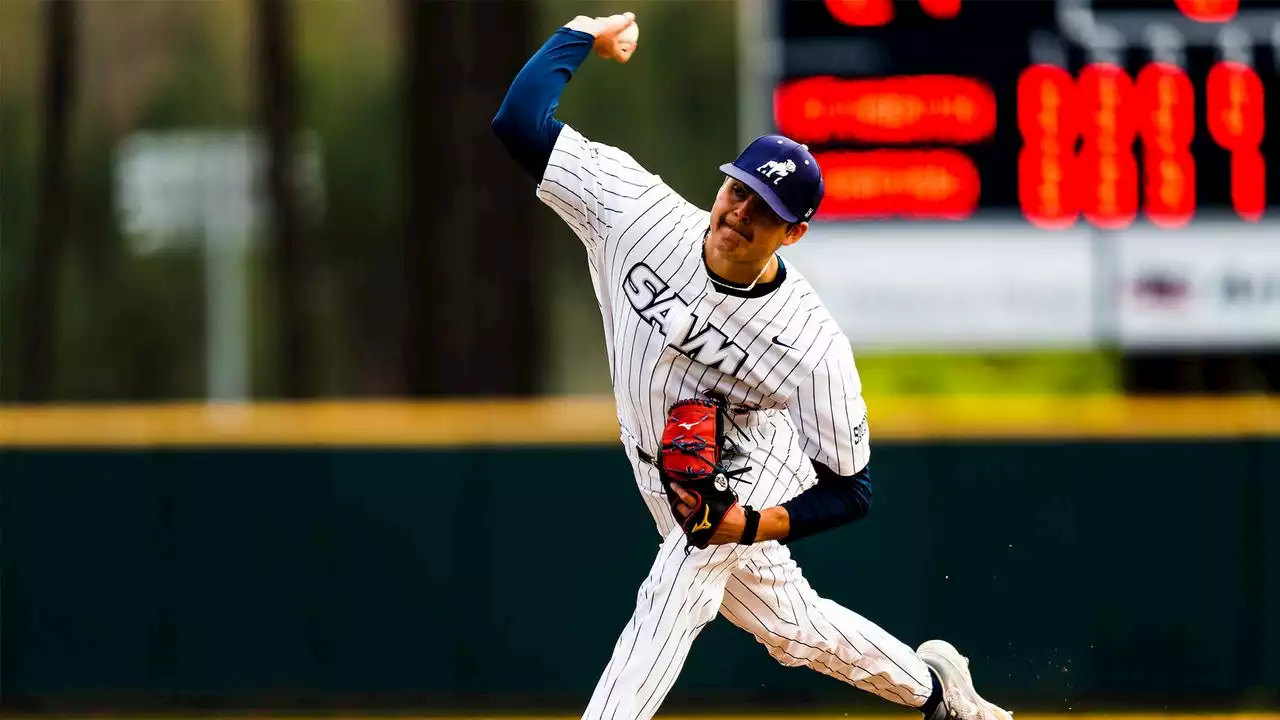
[(780, 168)]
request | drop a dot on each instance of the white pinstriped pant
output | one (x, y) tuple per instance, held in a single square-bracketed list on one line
[(760, 589)]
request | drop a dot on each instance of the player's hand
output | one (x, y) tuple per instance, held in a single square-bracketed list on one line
[(612, 43), (730, 530)]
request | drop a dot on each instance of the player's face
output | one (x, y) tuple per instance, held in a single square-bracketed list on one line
[(743, 226)]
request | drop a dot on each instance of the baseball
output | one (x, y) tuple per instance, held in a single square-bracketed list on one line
[(630, 36), (624, 43)]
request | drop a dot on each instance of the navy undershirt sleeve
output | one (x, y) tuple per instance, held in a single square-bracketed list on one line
[(526, 121), (836, 500)]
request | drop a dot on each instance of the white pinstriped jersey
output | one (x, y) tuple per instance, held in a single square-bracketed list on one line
[(789, 376), (780, 360)]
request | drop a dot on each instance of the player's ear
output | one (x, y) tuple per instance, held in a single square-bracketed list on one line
[(795, 231)]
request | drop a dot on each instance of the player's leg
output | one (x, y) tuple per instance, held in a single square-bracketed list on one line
[(679, 597), (771, 599)]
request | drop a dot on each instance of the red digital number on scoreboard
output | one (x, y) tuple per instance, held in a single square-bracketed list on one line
[(1108, 174), (874, 13), (941, 9), (1166, 123), (1209, 11), (1048, 118), (1237, 122), (861, 13), (1056, 183)]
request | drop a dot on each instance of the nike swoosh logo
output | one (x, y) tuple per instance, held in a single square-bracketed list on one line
[(776, 341)]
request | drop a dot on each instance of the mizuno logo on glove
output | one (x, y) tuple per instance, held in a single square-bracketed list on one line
[(705, 523)]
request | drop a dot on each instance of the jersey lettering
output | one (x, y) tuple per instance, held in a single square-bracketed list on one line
[(711, 348), (643, 286), (658, 312), (708, 346)]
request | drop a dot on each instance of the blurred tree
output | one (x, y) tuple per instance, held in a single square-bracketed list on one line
[(18, 133), (470, 323), (350, 101), (39, 305), (277, 90)]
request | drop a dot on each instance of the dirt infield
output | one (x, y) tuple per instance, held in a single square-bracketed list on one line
[(904, 715)]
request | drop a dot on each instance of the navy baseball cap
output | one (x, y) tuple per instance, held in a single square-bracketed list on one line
[(782, 172)]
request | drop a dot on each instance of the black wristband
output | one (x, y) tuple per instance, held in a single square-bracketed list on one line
[(752, 525)]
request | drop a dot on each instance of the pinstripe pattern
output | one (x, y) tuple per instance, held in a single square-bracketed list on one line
[(799, 628), (795, 397)]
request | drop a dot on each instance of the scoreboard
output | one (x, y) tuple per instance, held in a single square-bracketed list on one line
[(1065, 113)]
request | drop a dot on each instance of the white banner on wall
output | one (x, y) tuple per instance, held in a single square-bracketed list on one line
[(971, 286), (1206, 286)]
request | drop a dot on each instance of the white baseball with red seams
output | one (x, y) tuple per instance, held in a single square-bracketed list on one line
[(788, 374)]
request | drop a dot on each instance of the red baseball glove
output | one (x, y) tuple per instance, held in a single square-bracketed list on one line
[(691, 454)]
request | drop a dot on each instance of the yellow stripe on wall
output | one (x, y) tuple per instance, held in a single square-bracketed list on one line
[(1092, 417), (438, 424), (592, 421)]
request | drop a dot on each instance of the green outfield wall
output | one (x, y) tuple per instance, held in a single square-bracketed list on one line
[(1077, 574)]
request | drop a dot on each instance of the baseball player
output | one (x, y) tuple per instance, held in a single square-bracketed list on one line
[(738, 399)]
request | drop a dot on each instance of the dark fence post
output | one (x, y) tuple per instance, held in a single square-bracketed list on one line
[(470, 239), (40, 299), (277, 93)]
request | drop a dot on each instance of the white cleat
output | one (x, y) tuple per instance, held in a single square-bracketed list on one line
[(959, 700)]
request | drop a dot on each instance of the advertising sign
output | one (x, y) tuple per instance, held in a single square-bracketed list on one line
[(1205, 287), (955, 287)]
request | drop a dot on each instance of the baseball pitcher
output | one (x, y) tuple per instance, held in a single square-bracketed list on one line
[(740, 406)]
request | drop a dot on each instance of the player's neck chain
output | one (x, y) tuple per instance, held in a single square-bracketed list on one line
[(740, 288)]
